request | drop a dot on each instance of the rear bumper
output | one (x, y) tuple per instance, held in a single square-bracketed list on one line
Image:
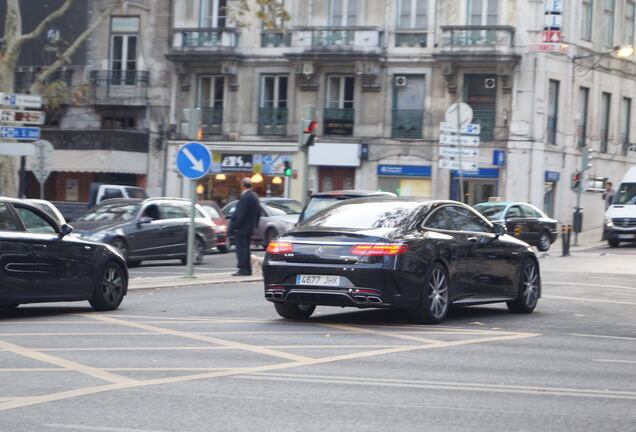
[(360, 286)]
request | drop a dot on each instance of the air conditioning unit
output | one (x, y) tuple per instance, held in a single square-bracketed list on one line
[(400, 81), (490, 83)]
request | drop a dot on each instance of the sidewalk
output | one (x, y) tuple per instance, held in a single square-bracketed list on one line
[(143, 283), (587, 240)]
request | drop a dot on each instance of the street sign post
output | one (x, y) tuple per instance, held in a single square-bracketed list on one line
[(193, 162), (21, 117), (41, 167), (469, 129), (20, 100), (17, 149), (457, 165), (459, 140), (453, 152), (20, 133)]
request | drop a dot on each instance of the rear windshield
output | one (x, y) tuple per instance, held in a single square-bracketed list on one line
[(282, 207), (112, 213), (626, 194), (136, 193), (317, 204), (212, 212), (492, 212), (385, 214)]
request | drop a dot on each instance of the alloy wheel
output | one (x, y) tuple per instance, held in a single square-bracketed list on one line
[(112, 285), (530, 283), (544, 242), (438, 293)]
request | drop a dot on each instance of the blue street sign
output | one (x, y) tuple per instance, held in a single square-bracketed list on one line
[(193, 160), (404, 170), (498, 157), (23, 133), (552, 176)]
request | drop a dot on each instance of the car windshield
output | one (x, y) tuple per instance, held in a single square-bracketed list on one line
[(366, 215), (281, 207), (136, 193), (626, 194), (491, 211), (121, 212), (211, 211)]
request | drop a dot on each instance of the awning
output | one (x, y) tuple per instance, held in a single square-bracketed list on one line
[(102, 161)]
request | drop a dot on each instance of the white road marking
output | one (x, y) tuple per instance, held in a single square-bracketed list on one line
[(583, 299), (443, 385), (97, 428), (615, 361), (590, 285), (604, 336)]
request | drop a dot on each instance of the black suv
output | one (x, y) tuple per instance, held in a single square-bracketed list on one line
[(151, 229), (321, 200)]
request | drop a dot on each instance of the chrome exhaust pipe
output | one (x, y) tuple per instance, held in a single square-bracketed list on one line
[(269, 295), (278, 295), (361, 299), (375, 300)]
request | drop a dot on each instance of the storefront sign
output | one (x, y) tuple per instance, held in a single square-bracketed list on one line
[(335, 154), (552, 176), (498, 157), (491, 173), (236, 163), (339, 127), (404, 170)]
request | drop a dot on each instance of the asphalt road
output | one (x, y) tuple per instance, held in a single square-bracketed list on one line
[(218, 358)]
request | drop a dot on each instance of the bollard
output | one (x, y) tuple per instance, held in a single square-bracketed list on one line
[(564, 247), (569, 237)]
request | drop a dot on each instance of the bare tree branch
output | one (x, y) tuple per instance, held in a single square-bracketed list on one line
[(66, 55), (44, 23)]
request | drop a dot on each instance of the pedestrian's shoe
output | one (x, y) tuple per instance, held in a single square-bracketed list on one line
[(240, 273)]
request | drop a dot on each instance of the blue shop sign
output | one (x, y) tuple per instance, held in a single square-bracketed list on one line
[(404, 170), (484, 173), (552, 176), (498, 157)]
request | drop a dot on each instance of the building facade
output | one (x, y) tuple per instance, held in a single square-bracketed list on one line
[(381, 75)]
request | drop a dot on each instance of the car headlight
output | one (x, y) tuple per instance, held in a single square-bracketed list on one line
[(608, 222), (221, 228)]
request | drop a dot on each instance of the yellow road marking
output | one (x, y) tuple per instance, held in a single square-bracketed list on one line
[(218, 341), (381, 333), (66, 364)]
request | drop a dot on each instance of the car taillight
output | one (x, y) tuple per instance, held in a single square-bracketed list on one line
[(279, 248), (385, 249)]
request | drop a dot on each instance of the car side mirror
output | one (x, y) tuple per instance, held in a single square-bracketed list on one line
[(144, 220), (499, 229), (65, 230)]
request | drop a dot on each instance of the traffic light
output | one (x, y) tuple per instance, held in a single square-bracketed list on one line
[(191, 125), (309, 132), (575, 185), (288, 169)]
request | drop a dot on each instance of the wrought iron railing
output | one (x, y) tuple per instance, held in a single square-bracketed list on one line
[(405, 39), (272, 121), (407, 124), (117, 87), (482, 37), (212, 120), (205, 38), (275, 39)]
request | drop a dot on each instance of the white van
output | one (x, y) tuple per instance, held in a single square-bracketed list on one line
[(620, 218)]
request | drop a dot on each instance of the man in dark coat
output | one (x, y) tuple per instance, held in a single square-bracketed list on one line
[(242, 225)]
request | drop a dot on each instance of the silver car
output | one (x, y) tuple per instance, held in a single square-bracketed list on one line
[(278, 215)]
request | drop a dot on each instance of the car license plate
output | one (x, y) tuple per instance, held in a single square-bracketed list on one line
[(318, 280), (626, 236)]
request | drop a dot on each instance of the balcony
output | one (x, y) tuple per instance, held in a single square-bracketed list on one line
[(336, 41), (98, 139), (272, 121), (338, 121), (212, 121), (275, 39), (407, 124), (126, 88), (477, 40), (193, 43), (410, 39)]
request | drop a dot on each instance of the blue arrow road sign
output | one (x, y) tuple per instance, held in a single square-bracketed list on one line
[(24, 133), (193, 160)]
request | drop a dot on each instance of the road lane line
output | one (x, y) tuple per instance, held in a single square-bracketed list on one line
[(211, 348), (97, 428), (15, 403), (604, 336), (217, 341), (442, 385), (583, 299), (63, 363), (615, 361), (355, 329), (590, 285)]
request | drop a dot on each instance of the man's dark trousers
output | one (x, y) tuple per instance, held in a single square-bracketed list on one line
[(243, 253)]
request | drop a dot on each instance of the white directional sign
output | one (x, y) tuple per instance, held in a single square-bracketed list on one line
[(21, 100), (21, 117), (22, 133), (466, 141), (469, 129), (452, 164), (453, 152), (41, 167), (17, 149)]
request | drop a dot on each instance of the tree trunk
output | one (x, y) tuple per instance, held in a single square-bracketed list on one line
[(8, 59)]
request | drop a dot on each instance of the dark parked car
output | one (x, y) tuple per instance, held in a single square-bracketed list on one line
[(213, 210), (40, 262), (278, 215), (151, 229), (418, 256), (524, 221), (322, 200)]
